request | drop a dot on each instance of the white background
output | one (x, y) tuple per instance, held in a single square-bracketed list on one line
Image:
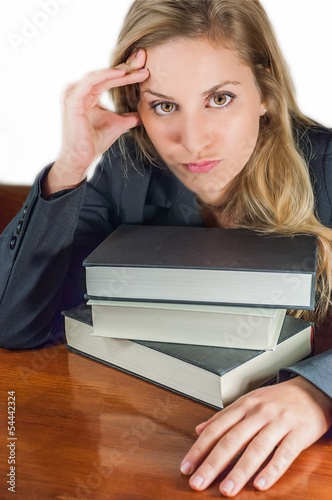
[(43, 49)]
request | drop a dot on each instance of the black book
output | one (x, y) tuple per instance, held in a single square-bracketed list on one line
[(203, 265), (213, 375)]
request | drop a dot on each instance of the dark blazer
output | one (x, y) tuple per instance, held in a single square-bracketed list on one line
[(42, 249)]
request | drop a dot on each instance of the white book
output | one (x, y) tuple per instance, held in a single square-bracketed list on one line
[(197, 324)]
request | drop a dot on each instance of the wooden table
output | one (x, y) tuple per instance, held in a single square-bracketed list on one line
[(12, 198), (85, 430)]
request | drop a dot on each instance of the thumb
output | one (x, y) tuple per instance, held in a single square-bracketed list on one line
[(128, 121)]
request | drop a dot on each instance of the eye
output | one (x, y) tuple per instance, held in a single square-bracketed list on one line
[(163, 108), (221, 100)]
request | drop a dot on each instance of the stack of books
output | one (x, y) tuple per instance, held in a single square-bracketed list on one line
[(200, 311)]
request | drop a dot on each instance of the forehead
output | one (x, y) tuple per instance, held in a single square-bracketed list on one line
[(196, 62)]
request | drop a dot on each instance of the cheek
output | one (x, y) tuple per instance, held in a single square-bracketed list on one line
[(243, 135)]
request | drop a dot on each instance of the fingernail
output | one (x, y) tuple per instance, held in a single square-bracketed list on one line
[(260, 483), (227, 487), (197, 481), (186, 467)]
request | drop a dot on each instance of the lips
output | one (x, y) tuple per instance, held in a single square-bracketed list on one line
[(201, 167)]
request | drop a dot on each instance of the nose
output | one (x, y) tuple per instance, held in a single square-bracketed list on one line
[(195, 133)]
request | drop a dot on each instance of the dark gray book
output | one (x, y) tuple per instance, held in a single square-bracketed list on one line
[(213, 375), (204, 265)]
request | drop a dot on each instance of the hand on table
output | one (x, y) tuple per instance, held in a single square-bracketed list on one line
[(281, 420)]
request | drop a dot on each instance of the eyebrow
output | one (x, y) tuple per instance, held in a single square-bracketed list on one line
[(213, 89)]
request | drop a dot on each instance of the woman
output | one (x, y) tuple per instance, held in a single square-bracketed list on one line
[(217, 139)]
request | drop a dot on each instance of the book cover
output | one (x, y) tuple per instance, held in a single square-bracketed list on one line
[(213, 375), (211, 265)]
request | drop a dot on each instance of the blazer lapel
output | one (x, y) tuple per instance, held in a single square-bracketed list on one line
[(170, 203)]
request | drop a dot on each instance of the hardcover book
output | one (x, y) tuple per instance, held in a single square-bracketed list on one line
[(198, 264), (213, 375)]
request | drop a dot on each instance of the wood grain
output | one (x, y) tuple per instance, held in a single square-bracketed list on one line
[(85, 430), (12, 198)]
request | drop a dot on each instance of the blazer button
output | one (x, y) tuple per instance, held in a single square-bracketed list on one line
[(19, 227), (24, 211), (12, 242)]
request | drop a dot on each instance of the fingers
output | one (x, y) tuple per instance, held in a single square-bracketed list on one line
[(230, 444), (243, 425), (262, 444), (115, 124), (274, 423), (130, 72), (203, 425), (221, 426), (89, 129), (135, 61), (86, 93), (283, 457), (257, 452)]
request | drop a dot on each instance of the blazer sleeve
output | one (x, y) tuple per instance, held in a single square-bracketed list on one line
[(43, 248), (317, 370), (41, 254), (35, 253)]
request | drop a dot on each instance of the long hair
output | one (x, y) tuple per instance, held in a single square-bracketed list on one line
[(273, 192)]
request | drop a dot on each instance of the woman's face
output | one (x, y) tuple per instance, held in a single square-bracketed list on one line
[(200, 107)]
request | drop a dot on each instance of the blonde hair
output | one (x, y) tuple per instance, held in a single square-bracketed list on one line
[(273, 193)]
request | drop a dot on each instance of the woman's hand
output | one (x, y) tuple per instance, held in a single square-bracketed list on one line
[(88, 128), (281, 420)]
